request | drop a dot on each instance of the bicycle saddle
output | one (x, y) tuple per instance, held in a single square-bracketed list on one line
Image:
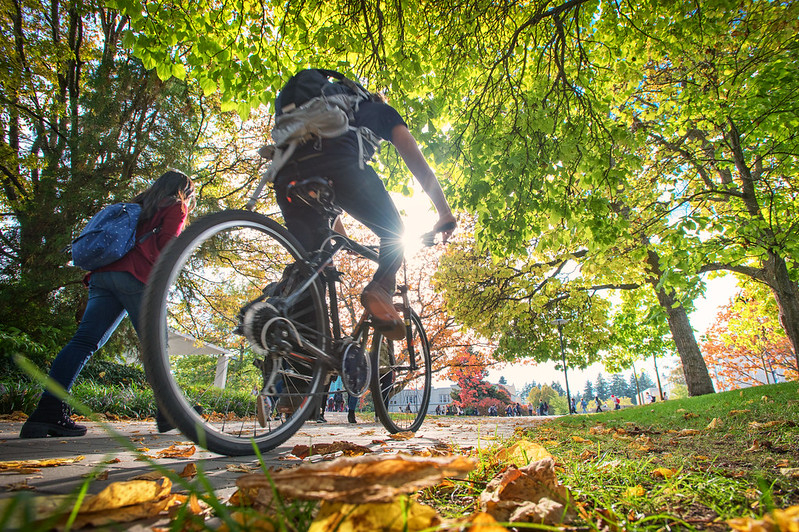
[(316, 192)]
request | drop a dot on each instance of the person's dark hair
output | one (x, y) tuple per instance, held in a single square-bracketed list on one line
[(172, 185)]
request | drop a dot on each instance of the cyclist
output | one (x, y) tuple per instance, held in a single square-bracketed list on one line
[(114, 291), (361, 193)]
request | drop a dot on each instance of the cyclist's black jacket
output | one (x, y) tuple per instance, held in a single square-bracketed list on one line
[(380, 117)]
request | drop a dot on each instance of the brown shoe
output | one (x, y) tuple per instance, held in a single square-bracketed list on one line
[(378, 302)]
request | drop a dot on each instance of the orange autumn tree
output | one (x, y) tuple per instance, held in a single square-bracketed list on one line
[(474, 392), (746, 345)]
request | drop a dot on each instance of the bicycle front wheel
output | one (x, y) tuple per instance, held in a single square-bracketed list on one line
[(220, 389), (401, 379)]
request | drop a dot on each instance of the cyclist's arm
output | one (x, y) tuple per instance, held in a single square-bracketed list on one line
[(406, 145)]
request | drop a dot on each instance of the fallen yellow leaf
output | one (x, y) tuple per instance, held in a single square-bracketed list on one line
[(522, 453), (635, 491), (407, 435), (580, 439), (119, 494), (12, 465), (663, 472), (716, 423), (787, 519), (483, 522), (399, 516)]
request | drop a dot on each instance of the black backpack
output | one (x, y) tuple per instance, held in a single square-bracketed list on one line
[(311, 106), (313, 83)]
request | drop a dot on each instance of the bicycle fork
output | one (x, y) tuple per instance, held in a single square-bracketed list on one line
[(402, 291)]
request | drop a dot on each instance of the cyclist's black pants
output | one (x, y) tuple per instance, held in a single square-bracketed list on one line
[(360, 192)]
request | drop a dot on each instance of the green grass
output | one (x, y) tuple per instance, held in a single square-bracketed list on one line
[(725, 469)]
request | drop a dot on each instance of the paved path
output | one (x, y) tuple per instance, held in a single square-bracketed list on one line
[(99, 448)]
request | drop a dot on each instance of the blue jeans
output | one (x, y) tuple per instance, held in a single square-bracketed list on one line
[(112, 295)]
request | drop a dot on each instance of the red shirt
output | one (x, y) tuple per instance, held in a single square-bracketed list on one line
[(140, 260)]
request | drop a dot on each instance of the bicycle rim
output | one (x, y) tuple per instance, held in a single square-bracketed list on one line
[(206, 376), (401, 390)]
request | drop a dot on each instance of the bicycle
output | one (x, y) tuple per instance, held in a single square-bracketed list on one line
[(252, 302)]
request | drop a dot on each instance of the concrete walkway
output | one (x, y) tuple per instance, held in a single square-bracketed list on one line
[(102, 451)]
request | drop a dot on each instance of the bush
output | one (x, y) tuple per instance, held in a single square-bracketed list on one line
[(16, 342), (110, 373), (18, 395), (132, 400)]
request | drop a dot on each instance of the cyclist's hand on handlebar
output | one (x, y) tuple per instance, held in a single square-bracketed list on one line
[(445, 225)]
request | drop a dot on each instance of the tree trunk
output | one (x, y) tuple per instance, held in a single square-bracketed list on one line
[(693, 365), (787, 297), (694, 368)]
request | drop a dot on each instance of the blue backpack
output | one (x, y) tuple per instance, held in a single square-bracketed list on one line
[(109, 236)]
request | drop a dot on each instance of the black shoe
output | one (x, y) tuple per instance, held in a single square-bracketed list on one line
[(51, 418), (351, 416), (321, 419), (163, 424)]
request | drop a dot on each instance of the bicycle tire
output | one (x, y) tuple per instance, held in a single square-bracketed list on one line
[(197, 289), (396, 387)]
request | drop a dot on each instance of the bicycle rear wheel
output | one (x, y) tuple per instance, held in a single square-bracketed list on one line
[(401, 379), (193, 349)]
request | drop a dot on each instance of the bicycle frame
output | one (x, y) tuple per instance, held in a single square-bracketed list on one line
[(321, 262)]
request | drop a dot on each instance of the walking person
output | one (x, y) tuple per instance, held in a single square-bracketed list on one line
[(115, 290)]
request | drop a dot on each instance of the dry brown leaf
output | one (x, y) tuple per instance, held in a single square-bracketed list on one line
[(790, 472), (522, 453), (240, 468), (150, 475), (528, 494), (17, 415), (407, 435), (588, 455), (359, 480), (19, 486), (399, 515), (190, 471), (689, 432), (714, 424), (14, 465), (738, 412), (173, 451), (580, 439), (345, 447), (599, 430), (689, 415), (643, 443)]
